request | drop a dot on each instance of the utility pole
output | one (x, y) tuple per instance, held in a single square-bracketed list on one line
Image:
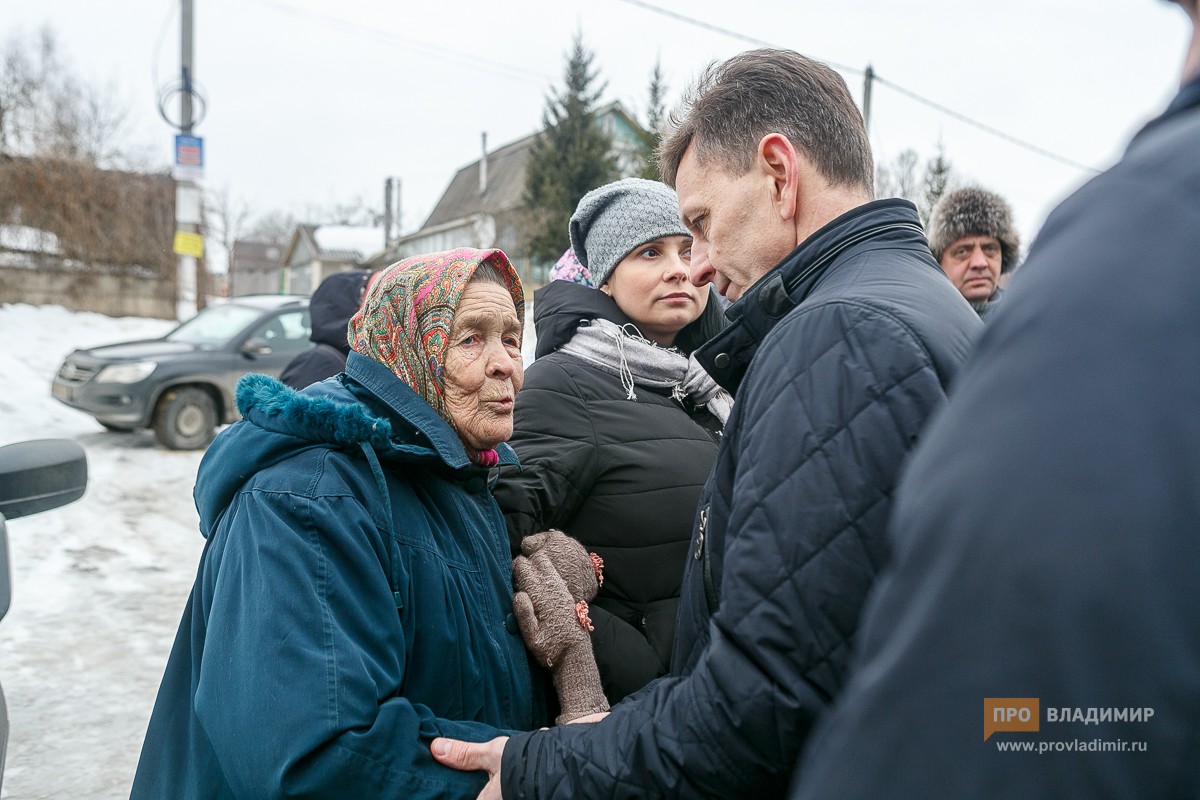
[(387, 213), (187, 193), (868, 78), (391, 211), (397, 210), (186, 47)]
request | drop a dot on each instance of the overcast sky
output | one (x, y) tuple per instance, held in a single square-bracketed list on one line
[(315, 103)]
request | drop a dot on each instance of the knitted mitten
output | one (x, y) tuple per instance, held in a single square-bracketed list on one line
[(582, 571), (557, 634)]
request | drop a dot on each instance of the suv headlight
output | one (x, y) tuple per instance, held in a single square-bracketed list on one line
[(126, 373)]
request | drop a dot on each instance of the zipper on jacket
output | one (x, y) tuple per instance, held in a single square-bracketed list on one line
[(710, 589)]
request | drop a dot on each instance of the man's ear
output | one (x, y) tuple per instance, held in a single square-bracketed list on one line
[(780, 164)]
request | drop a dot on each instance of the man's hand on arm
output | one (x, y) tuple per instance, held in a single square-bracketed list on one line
[(472, 757)]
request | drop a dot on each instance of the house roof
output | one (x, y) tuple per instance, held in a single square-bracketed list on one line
[(505, 178), (505, 185), (350, 243), (255, 255)]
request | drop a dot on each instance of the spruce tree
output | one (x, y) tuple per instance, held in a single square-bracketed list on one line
[(900, 179), (655, 117), (937, 181), (570, 157)]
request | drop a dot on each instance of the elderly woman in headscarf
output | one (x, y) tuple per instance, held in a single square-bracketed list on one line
[(353, 600)]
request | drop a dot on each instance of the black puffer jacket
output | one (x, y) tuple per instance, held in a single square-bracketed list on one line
[(621, 476), (838, 356), (333, 304)]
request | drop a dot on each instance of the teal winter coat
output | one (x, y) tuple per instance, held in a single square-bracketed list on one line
[(352, 603)]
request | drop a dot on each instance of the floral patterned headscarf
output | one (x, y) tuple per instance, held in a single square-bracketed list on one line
[(405, 318), (568, 268)]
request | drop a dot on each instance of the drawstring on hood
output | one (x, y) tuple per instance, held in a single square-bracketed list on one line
[(625, 372), (394, 550)]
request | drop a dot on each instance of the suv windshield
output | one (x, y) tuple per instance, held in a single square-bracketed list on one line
[(214, 325)]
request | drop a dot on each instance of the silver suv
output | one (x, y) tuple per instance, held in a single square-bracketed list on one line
[(182, 384)]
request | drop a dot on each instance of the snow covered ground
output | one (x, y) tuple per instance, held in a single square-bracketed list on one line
[(99, 585)]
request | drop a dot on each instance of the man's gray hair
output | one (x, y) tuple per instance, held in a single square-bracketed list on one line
[(734, 104)]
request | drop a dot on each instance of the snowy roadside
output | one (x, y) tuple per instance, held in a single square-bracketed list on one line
[(98, 585)]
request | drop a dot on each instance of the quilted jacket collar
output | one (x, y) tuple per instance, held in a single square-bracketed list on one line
[(728, 355)]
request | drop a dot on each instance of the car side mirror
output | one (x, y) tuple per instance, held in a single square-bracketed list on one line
[(35, 476), (255, 347), (39, 475)]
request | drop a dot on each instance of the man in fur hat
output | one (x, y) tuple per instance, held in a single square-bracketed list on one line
[(972, 236)]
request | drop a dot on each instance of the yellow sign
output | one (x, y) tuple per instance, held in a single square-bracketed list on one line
[(189, 244)]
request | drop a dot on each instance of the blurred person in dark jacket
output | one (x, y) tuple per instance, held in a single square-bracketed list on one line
[(617, 426), (354, 597), (1047, 531), (329, 310), (844, 335)]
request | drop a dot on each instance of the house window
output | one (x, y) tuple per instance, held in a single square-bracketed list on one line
[(300, 281)]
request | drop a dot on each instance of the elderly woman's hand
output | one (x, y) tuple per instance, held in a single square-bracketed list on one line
[(545, 609), (555, 628)]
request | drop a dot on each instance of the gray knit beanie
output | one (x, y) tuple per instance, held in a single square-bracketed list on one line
[(611, 221), (974, 212)]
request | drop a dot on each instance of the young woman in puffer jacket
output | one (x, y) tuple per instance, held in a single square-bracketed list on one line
[(616, 427)]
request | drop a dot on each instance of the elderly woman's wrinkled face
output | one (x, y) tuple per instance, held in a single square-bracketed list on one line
[(483, 369)]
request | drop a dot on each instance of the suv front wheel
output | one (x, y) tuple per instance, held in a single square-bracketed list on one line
[(185, 418)]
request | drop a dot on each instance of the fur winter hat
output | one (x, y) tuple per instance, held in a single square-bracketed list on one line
[(611, 221), (974, 212)]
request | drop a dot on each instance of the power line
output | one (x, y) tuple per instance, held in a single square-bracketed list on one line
[(391, 40), (172, 8), (177, 86), (726, 32), (1008, 137)]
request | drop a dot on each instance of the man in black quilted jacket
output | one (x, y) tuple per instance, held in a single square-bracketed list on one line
[(844, 336)]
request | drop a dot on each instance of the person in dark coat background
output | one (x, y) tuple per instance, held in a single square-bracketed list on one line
[(614, 448), (329, 311), (1047, 533), (353, 598), (844, 337)]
